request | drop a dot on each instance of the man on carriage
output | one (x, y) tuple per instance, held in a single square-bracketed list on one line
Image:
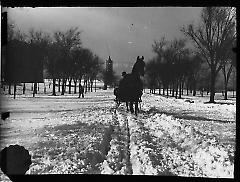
[(117, 90), (131, 86)]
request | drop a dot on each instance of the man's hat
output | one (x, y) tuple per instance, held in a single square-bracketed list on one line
[(124, 73)]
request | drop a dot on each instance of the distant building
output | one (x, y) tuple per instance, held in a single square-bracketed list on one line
[(109, 65), (109, 72)]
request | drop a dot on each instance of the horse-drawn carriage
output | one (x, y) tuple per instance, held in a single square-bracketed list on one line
[(130, 87)]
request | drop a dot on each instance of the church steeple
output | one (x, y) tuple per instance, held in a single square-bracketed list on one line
[(109, 65)]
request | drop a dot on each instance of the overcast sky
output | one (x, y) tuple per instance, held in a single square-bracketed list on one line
[(124, 33)]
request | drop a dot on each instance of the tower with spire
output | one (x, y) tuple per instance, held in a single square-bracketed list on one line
[(109, 65), (109, 72)]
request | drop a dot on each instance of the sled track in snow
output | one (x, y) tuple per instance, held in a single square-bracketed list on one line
[(128, 162), (119, 143)]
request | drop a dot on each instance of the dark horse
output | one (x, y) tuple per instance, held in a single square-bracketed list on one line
[(131, 86)]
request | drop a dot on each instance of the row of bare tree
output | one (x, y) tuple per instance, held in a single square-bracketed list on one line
[(64, 57), (173, 67), (176, 66)]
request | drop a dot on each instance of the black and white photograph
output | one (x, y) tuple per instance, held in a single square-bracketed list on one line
[(118, 91)]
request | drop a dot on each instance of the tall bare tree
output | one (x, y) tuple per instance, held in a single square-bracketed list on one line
[(214, 34), (41, 41), (227, 68), (151, 74), (14, 36), (95, 67), (67, 40), (52, 63)]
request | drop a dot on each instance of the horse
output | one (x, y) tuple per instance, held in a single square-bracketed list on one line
[(131, 86)]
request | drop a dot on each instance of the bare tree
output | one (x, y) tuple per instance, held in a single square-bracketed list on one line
[(171, 57), (194, 72), (40, 40), (227, 69), (151, 75), (14, 35), (83, 58), (180, 53), (66, 41), (212, 37), (109, 77), (156, 66), (95, 68), (52, 63)]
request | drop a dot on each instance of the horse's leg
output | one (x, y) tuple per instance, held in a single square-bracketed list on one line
[(127, 106), (136, 108), (131, 107)]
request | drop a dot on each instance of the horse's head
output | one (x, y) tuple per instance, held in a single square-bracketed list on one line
[(138, 67)]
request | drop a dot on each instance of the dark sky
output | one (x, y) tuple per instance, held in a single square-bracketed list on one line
[(124, 33)]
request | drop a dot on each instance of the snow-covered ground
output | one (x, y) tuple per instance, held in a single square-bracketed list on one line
[(67, 134)]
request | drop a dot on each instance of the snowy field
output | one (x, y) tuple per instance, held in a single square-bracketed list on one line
[(170, 137)]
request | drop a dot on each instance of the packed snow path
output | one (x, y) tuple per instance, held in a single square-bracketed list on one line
[(164, 145), (168, 137)]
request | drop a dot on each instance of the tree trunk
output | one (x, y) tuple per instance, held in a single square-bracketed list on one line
[(75, 86), (59, 81), (226, 79), (79, 87), (34, 89), (194, 92), (69, 86), (212, 86), (201, 92), (91, 82), (88, 86), (176, 91), (14, 90), (191, 88), (63, 86), (225, 91), (79, 90), (95, 85), (54, 85), (194, 89), (182, 87), (85, 83), (234, 76), (180, 91), (173, 89), (24, 88), (44, 89)]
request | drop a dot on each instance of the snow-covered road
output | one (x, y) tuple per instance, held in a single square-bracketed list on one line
[(170, 136)]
